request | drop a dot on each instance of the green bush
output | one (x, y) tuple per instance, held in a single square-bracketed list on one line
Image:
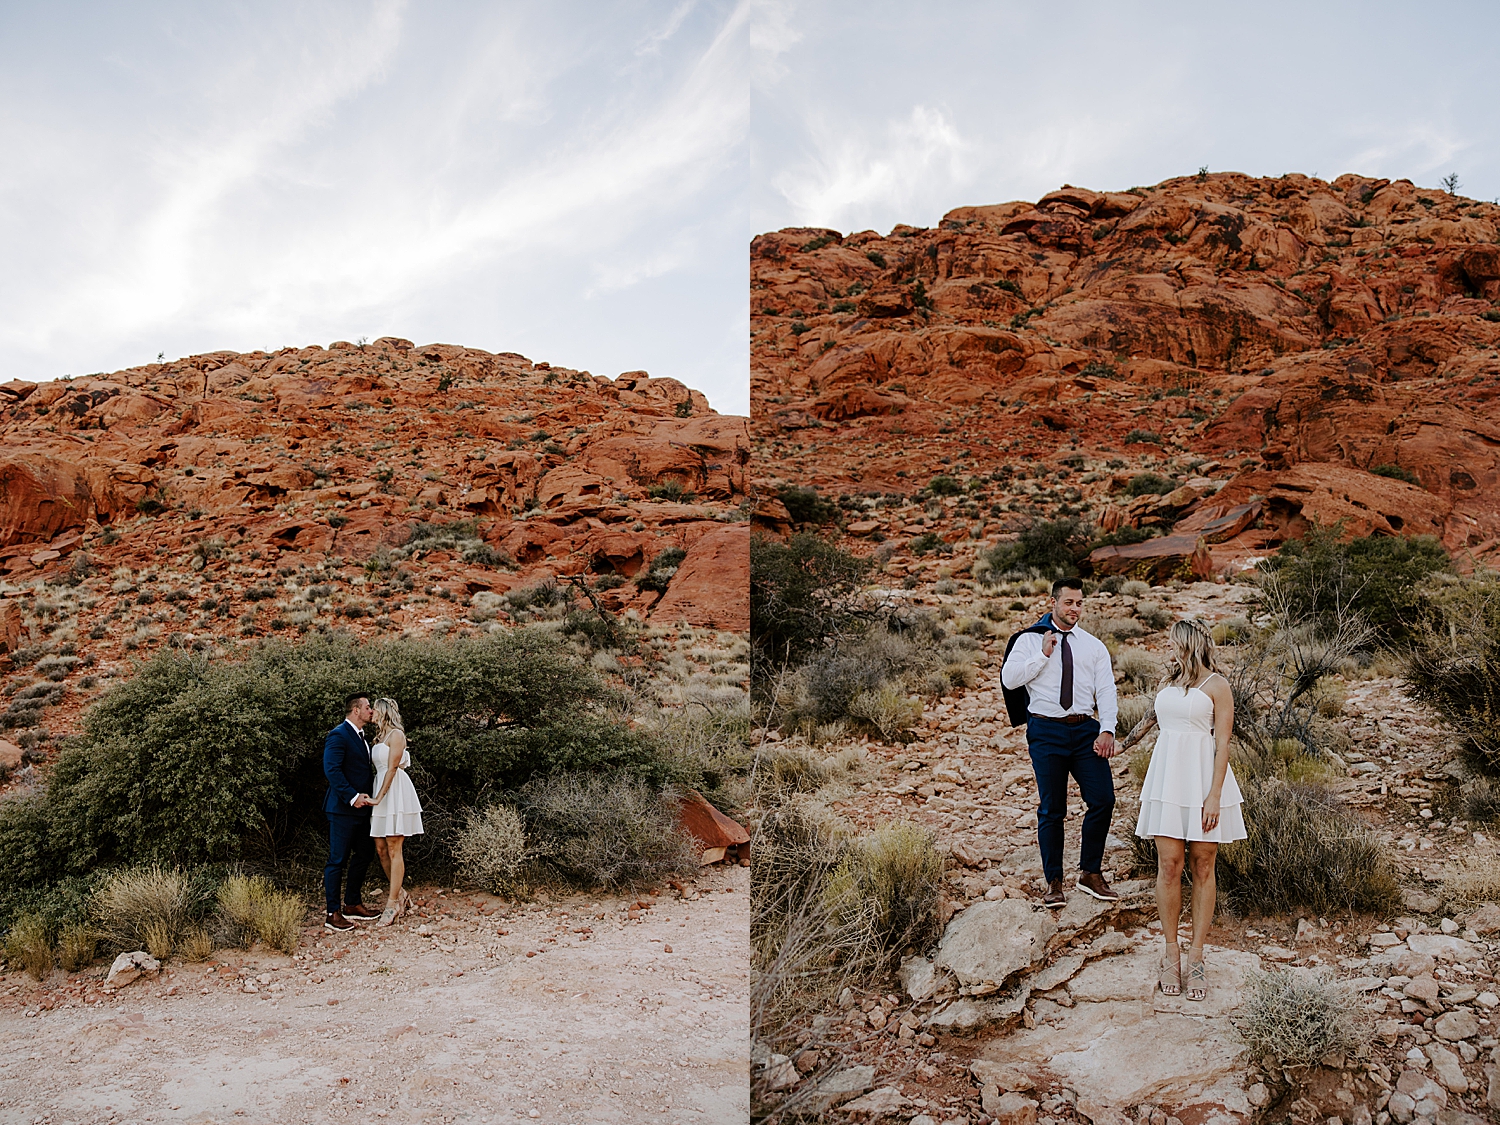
[(945, 486), (1454, 666), (1049, 547), (182, 763), (804, 505), (1397, 472), (29, 945), (888, 885), (801, 594), (1377, 576), (662, 569), (1149, 484), (1143, 437)]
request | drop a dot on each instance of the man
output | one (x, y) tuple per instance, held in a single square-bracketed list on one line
[(350, 774), (1066, 673)]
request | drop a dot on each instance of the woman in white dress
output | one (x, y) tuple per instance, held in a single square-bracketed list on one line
[(1190, 802), (397, 813)]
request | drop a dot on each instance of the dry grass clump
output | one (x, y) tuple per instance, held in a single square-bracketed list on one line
[(604, 830), (29, 945), (197, 945), (1140, 669), (1455, 662), (76, 945), (1479, 881), (888, 709), (1298, 1017), (492, 850), (885, 890), (251, 909), (779, 772), (1305, 850), (147, 908), (1480, 800)]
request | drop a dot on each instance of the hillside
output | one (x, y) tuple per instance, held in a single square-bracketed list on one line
[(1279, 349), (380, 488)]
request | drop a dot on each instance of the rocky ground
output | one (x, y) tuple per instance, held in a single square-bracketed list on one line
[(568, 1009), (1019, 1016)]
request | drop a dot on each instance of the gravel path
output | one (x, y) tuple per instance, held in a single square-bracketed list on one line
[(584, 1010)]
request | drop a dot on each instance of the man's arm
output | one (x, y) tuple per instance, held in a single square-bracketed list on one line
[(1106, 698), (1025, 662), (333, 768)]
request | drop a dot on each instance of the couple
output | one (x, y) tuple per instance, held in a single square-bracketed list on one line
[(1054, 676), (360, 824)]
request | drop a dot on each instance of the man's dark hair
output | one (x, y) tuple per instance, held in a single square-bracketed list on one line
[(352, 698), (1069, 583)]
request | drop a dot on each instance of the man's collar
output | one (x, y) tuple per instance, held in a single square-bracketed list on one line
[(1052, 624)]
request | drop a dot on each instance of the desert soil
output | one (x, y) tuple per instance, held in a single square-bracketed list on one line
[(474, 1009)]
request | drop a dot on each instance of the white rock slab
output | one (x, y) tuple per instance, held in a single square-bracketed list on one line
[(991, 940)]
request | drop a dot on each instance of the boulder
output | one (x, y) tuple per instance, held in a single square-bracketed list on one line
[(1485, 920), (1446, 1068), (130, 967), (918, 978), (1443, 947), (1456, 1025), (1156, 561), (991, 940), (11, 756), (712, 586), (1008, 1109), (841, 1086), (880, 1102), (714, 832)]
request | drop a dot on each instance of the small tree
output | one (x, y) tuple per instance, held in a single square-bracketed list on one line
[(1450, 183), (801, 594)]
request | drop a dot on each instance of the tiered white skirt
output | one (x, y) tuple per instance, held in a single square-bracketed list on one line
[(1181, 772), (399, 812)]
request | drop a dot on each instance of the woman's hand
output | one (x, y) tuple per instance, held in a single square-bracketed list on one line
[(1210, 812)]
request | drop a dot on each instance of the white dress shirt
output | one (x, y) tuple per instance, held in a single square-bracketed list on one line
[(362, 738), (1041, 676)]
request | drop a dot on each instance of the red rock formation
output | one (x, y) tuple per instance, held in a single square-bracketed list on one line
[(1304, 333), (241, 469)]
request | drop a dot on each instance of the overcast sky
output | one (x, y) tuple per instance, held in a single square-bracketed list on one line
[(565, 179), (870, 114)]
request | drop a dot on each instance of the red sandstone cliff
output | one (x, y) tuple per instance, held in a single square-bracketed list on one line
[(1278, 338)]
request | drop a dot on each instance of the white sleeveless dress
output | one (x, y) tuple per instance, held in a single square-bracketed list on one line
[(399, 813), (1182, 770)]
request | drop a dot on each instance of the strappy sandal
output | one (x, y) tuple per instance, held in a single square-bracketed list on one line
[(1197, 981), (1170, 986)]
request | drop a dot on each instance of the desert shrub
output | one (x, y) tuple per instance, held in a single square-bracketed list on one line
[(1454, 666), (544, 595), (1135, 588), (1125, 535), (1050, 547), (29, 945), (945, 486), (886, 708), (1232, 631), (887, 886), (1153, 615), (780, 772), (1480, 800), (1149, 484), (661, 570), (1298, 1017), (1115, 628), (1133, 708), (492, 850), (196, 945), (709, 746), (801, 594), (1140, 670), (602, 830), (76, 946), (1378, 577), (1139, 437), (1305, 850), (1397, 472), (150, 907), (805, 505), (146, 779), (251, 909)]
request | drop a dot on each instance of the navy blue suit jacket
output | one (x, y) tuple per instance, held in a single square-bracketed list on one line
[(347, 766)]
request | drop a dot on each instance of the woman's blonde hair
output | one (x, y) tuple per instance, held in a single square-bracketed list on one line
[(387, 716), (1192, 653)]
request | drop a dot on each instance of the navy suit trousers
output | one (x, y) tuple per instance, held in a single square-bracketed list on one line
[(1057, 750), (349, 842)]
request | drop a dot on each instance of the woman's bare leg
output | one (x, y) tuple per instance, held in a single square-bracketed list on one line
[(1202, 854), (1169, 855), (396, 868), (382, 849)]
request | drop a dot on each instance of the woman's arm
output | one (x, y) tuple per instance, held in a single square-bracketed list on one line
[(1140, 730), (1218, 690)]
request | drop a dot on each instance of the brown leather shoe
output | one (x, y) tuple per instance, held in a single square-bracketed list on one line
[(1054, 897), (359, 912), (337, 923), (1092, 883)]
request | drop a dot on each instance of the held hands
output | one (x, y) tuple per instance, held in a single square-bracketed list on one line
[(1105, 745), (361, 801), (1210, 812)]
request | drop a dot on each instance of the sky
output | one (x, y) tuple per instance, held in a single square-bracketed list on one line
[(567, 180), (871, 114)]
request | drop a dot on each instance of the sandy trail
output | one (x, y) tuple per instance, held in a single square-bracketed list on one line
[(601, 1024)]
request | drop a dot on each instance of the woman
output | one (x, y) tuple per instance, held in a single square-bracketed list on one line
[(397, 813), (1189, 800)]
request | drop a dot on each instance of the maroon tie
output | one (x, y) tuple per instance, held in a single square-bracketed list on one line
[(1065, 696)]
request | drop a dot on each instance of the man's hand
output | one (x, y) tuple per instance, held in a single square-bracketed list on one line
[(1105, 746), (361, 801), (1049, 643)]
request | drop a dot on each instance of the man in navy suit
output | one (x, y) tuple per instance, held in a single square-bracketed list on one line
[(351, 775)]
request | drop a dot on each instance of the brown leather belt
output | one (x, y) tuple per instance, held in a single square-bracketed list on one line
[(1071, 720)]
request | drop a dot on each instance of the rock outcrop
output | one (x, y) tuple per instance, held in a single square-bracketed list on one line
[(1332, 349)]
